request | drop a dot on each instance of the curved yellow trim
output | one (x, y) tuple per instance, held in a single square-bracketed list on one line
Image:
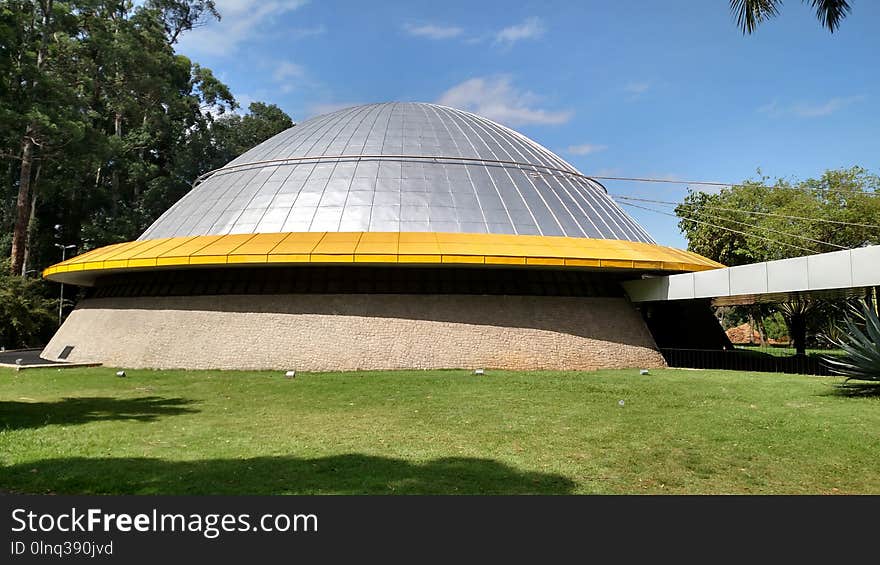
[(375, 248)]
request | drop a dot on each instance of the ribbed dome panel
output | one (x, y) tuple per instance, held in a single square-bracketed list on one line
[(398, 167)]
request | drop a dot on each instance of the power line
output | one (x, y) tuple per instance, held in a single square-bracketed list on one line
[(811, 251), (730, 184), (803, 237), (669, 202)]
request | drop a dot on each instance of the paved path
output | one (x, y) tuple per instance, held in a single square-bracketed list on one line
[(27, 356)]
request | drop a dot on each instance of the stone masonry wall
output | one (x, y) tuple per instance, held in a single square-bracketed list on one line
[(357, 331)]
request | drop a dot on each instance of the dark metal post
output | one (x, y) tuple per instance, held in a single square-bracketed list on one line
[(799, 333), (64, 249)]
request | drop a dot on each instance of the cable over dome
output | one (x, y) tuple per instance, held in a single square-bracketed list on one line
[(398, 167)]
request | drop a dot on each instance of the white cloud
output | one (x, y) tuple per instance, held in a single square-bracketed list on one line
[(244, 100), (242, 20), (807, 109), (672, 177), (497, 99), (637, 87), (531, 28), (326, 108), (305, 32), (432, 31), (585, 149), (608, 172), (771, 108), (215, 111), (287, 70), (477, 39)]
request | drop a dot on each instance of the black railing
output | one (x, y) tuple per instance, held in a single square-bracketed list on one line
[(740, 360)]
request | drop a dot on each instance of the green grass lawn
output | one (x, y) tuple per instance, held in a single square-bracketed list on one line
[(678, 431)]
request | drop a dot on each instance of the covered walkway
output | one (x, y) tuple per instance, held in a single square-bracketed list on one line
[(840, 273)]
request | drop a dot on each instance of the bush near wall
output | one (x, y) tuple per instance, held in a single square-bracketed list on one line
[(27, 316)]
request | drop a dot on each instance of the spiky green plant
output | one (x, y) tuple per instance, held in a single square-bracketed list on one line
[(862, 359)]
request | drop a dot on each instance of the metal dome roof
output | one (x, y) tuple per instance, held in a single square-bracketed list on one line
[(398, 167)]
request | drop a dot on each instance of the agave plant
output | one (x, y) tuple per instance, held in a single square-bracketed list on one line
[(862, 358)]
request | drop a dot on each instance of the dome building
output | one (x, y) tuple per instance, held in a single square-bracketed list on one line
[(394, 235)]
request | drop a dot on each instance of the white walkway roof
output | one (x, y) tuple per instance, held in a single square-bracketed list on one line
[(839, 272)]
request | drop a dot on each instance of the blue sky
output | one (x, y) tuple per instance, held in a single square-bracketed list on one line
[(627, 88)]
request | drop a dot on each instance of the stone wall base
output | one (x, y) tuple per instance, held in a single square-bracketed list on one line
[(329, 332)]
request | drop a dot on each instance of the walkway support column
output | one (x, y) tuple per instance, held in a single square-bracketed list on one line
[(798, 327)]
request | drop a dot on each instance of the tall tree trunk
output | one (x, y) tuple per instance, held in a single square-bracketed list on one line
[(22, 203), (32, 224), (751, 327), (762, 330), (758, 316), (117, 131)]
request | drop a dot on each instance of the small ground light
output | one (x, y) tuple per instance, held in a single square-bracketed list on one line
[(120, 373), (479, 372), (290, 374), (621, 402), (644, 372)]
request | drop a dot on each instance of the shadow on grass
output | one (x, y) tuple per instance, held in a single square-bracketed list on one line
[(857, 390), (339, 474), (71, 411)]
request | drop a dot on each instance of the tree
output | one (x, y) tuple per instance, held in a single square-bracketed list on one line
[(750, 13), (235, 134), (178, 16), (778, 220), (37, 107), (760, 220), (102, 124)]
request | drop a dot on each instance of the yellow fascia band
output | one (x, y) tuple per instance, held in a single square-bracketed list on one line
[(376, 248)]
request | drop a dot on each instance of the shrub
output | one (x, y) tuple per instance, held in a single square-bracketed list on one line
[(859, 337), (27, 316)]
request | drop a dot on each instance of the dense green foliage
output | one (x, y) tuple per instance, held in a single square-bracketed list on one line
[(102, 124), (204, 432), (27, 316), (844, 195)]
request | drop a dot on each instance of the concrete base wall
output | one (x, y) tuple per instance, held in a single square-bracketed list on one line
[(357, 331)]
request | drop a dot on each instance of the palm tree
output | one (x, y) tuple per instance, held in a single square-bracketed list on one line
[(750, 13)]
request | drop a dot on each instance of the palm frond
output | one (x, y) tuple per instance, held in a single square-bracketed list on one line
[(750, 13), (831, 12)]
